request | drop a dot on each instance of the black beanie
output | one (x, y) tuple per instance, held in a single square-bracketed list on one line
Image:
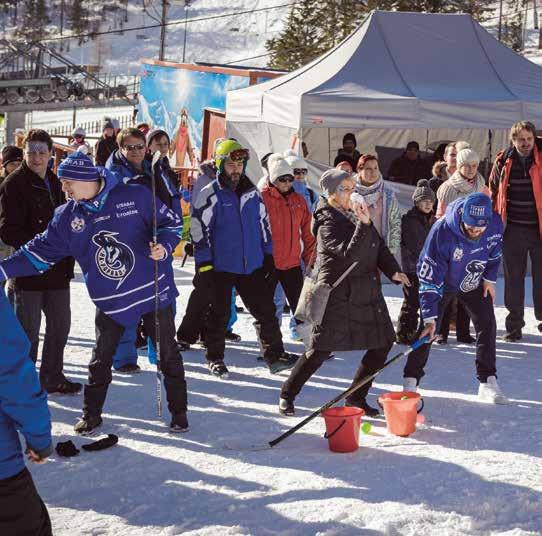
[(344, 158), (10, 153)]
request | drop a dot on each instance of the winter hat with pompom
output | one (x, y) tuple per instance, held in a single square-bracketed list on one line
[(423, 191)]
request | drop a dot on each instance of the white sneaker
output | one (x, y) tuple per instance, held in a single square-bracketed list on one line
[(410, 384), (491, 393)]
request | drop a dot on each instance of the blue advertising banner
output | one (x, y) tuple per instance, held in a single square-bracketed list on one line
[(173, 99)]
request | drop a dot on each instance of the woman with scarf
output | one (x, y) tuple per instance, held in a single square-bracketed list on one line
[(464, 181), (381, 201), (356, 316)]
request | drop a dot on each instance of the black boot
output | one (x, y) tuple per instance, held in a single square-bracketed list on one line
[(286, 407), (179, 423), (87, 424), (362, 404)]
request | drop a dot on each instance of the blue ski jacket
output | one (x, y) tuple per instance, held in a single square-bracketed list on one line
[(230, 230), (109, 237), (450, 262), (23, 403)]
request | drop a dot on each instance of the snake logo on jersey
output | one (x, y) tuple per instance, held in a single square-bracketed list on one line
[(471, 281), (114, 259)]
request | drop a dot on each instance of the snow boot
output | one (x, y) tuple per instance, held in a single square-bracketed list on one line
[(513, 336), (179, 423), (491, 393), (233, 337), (86, 425), (286, 407), (65, 388), (129, 369), (410, 384), (284, 362), (219, 369), (362, 404)]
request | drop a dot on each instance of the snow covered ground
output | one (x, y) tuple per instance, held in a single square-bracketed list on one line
[(473, 469)]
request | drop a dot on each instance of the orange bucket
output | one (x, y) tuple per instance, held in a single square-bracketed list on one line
[(342, 428), (401, 412)]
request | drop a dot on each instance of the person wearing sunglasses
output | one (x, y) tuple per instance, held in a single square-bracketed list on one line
[(233, 249), (461, 258), (132, 165), (293, 241)]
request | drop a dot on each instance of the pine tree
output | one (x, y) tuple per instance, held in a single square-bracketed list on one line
[(299, 42), (32, 20)]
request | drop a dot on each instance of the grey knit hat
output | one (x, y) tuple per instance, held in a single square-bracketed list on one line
[(423, 191), (330, 180)]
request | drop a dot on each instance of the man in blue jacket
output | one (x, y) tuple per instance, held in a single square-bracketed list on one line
[(23, 408), (233, 248), (461, 257), (107, 227)]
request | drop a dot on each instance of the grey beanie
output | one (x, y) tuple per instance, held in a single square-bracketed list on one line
[(330, 180), (423, 191)]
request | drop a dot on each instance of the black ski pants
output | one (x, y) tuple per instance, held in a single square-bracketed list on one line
[(22, 512), (292, 283), (108, 334), (196, 312), (519, 242), (409, 317), (312, 360), (462, 320), (483, 317), (256, 294)]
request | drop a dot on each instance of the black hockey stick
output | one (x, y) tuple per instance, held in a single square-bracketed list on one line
[(155, 170), (338, 398)]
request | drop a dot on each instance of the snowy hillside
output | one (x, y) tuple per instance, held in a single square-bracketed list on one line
[(471, 470)]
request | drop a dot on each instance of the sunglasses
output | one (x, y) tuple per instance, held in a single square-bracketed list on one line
[(239, 155), (302, 171), (138, 147), (286, 178), (79, 137)]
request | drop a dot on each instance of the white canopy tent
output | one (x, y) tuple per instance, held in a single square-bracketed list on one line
[(398, 77)]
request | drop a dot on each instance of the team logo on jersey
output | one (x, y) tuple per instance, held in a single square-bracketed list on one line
[(114, 259), (458, 254), (78, 224), (471, 281)]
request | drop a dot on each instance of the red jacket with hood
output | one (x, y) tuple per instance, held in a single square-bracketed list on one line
[(290, 226)]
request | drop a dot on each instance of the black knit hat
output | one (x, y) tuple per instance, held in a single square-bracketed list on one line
[(343, 158), (10, 153), (423, 191)]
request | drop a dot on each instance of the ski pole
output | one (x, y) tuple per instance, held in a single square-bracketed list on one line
[(350, 390), (155, 167)]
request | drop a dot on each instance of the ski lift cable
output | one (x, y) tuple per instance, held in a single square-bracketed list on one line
[(170, 23)]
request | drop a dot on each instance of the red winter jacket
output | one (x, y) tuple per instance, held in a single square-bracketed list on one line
[(290, 224)]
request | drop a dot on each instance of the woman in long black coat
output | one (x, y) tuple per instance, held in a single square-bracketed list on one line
[(356, 316)]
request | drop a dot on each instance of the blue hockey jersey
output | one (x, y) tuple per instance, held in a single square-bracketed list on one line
[(450, 262), (230, 230), (109, 237)]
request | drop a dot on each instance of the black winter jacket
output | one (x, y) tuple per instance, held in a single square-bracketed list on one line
[(356, 316), (26, 207), (104, 148), (415, 226)]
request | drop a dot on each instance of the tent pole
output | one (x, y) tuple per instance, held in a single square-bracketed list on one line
[(329, 146)]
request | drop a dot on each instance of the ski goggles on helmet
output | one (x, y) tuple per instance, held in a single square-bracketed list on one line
[(238, 155)]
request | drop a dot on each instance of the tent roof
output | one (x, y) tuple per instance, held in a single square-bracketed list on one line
[(402, 70)]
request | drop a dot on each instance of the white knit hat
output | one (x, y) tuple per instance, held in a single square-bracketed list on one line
[(278, 166), (467, 155)]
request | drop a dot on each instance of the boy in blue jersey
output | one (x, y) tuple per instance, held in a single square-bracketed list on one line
[(461, 258), (107, 227)]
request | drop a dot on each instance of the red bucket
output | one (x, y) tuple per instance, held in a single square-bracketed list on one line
[(342, 428), (400, 410)]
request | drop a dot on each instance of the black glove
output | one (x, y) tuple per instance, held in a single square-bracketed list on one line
[(101, 444), (268, 266), (189, 249), (66, 449)]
